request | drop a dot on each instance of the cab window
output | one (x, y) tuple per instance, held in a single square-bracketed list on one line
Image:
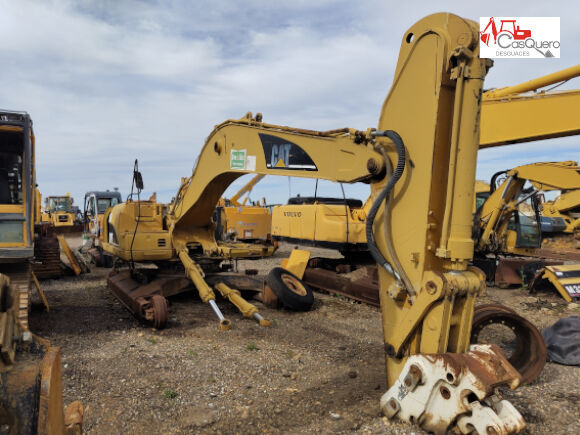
[(11, 168), (527, 226), (103, 204)]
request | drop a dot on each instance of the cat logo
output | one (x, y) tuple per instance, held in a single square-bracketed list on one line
[(280, 153)]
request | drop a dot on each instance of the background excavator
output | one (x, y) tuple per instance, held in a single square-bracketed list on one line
[(30, 368), (508, 225), (335, 223), (237, 220), (418, 227), (95, 205), (522, 186)]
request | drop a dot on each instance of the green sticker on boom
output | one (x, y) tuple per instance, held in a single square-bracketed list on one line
[(238, 159)]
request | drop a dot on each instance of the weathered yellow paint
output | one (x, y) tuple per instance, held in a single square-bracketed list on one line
[(297, 262), (552, 274), (71, 258)]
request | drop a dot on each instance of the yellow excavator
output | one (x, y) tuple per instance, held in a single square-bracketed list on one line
[(30, 368), (508, 224), (510, 204), (420, 163)]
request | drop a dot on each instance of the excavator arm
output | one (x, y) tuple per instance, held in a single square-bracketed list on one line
[(419, 227), (420, 163), (522, 113)]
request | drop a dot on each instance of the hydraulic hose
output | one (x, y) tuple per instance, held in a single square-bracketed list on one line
[(396, 264), (136, 184), (371, 243)]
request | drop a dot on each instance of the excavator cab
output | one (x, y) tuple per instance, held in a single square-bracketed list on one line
[(16, 180), (96, 203), (526, 224)]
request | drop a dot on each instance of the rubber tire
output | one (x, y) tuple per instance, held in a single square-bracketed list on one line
[(288, 297)]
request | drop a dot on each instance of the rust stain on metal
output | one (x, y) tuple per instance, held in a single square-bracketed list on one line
[(490, 369)]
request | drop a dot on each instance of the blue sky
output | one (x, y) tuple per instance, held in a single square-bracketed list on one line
[(110, 81)]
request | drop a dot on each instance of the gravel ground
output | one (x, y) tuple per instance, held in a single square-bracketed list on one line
[(320, 371)]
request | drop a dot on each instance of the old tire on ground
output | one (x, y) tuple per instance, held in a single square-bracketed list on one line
[(160, 311), (290, 290), (529, 356)]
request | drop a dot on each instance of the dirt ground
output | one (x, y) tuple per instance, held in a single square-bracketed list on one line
[(320, 371)]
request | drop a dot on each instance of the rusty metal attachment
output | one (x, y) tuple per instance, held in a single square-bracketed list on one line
[(146, 302), (361, 284), (529, 355), (144, 293), (442, 392), (509, 269)]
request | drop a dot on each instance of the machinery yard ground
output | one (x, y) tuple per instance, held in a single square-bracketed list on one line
[(318, 371)]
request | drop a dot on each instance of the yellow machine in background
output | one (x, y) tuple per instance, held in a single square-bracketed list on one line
[(58, 211), (509, 222), (566, 207), (509, 218), (420, 163), (237, 220), (96, 203), (333, 223), (524, 113), (30, 369)]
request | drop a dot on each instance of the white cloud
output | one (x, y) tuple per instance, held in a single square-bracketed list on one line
[(110, 81)]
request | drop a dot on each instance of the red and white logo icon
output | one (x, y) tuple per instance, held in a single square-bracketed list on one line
[(519, 37)]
